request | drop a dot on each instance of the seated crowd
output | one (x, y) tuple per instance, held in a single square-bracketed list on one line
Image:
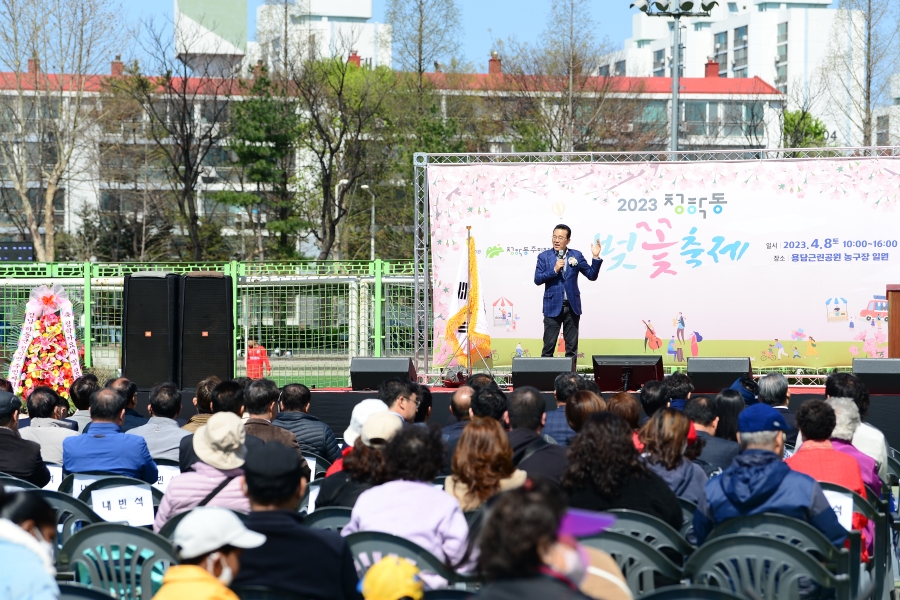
[(487, 494)]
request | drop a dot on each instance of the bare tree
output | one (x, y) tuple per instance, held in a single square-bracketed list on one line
[(53, 49), (185, 98), (423, 33), (861, 60)]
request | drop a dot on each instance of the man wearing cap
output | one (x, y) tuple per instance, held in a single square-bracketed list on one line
[(392, 578), (210, 542), (19, 458), (216, 477), (758, 481), (105, 447), (296, 560)]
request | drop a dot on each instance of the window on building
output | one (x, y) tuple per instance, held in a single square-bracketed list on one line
[(603, 71), (659, 63), (732, 7), (695, 117), (721, 50), (620, 68), (781, 57), (739, 67), (732, 119), (883, 130), (782, 33)]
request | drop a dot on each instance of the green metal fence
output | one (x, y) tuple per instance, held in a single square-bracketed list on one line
[(312, 317)]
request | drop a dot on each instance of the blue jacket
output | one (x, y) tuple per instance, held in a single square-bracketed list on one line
[(22, 574), (567, 279), (558, 428), (106, 448), (758, 481)]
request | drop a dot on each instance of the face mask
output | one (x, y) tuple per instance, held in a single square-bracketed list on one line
[(226, 576), (47, 548), (571, 561)]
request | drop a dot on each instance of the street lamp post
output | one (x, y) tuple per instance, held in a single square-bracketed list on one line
[(372, 226), (682, 8)]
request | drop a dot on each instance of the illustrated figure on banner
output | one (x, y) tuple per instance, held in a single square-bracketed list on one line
[(679, 324), (650, 337), (696, 338), (47, 351), (557, 270)]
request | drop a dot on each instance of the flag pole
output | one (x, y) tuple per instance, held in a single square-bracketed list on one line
[(468, 305)]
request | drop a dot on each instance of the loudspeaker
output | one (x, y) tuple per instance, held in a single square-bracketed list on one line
[(207, 328), (712, 375), (540, 372), (626, 373), (368, 373), (880, 375), (150, 328)]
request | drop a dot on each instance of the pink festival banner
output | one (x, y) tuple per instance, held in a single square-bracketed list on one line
[(782, 261)]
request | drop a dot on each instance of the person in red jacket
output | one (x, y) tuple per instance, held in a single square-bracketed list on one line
[(818, 459), (257, 358)]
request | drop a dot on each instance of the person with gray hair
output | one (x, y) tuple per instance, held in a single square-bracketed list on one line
[(847, 421), (774, 391)]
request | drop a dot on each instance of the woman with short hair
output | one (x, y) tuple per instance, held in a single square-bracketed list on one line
[(580, 406)]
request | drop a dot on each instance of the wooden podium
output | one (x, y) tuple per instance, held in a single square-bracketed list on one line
[(893, 322)]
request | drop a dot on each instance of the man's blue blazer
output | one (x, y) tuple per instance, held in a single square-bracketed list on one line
[(567, 279)]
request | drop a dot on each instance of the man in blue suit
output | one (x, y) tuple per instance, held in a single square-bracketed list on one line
[(557, 270)]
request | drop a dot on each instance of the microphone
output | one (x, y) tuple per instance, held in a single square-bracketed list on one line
[(560, 254)]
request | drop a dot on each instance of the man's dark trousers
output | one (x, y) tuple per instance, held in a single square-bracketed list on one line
[(569, 322)]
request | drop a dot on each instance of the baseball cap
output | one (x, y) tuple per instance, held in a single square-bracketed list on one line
[(761, 417), (380, 428), (208, 528), (392, 578), (10, 403), (361, 413), (220, 442)]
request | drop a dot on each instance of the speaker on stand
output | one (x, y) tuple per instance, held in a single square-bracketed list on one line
[(207, 328), (150, 343)]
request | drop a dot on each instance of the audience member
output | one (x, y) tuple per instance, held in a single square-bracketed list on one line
[(654, 396), (482, 465), (312, 435), (729, 405), (678, 389), (162, 433), (627, 406), (717, 452), (203, 402), (128, 390), (758, 481), (522, 554), (847, 421), (867, 438), (80, 392), (19, 458), (748, 389), (27, 547), (423, 409), (364, 467), (580, 406), (216, 478), (275, 482), (210, 542), (489, 402), (414, 457), (393, 578), (105, 447), (6, 386), (530, 451), (665, 438), (261, 403), (460, 403), (818, 459), (605, 472), (774, 391), (557, 426), (46, 429), (399, 395), (481, 380), (360, 414)]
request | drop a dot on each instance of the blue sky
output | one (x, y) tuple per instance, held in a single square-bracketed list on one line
[(482, 20)]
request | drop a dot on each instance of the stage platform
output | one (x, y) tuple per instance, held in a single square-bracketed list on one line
[(334, 406)]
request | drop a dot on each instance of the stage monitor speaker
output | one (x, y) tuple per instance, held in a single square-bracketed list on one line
[(880, 375), (368, 373), (150, 328), (207, 328), (626, 373), (712, 375), (540, 372)]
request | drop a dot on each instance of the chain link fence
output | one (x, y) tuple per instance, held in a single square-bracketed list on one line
[(312, 317)]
